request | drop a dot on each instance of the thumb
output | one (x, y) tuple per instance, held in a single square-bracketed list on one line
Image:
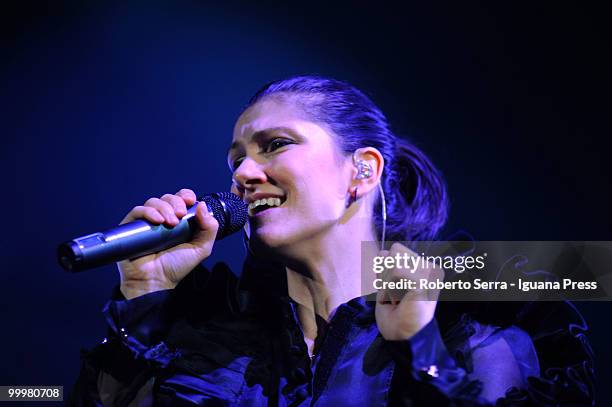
[(205, 237)]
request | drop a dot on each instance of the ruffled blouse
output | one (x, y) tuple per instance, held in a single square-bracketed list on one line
[(218, 341)]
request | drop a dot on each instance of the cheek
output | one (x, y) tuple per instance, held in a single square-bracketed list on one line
[(234, 189), (317, 184)]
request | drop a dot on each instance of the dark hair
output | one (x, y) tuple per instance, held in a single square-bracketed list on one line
[(416, 196)]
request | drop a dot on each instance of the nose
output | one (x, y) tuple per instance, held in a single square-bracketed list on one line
[(248, 174)]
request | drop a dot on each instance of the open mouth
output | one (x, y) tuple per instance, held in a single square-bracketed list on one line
[(261, 205)]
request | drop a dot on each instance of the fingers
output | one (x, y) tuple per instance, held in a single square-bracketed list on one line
[(168, 209), (179, 207), (188, 196), (165, 209), (406, 277), (144, 212)]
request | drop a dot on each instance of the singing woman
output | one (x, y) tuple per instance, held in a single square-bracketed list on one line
[(321, 171)]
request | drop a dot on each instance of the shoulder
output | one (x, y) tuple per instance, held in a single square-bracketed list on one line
[(547, 340)]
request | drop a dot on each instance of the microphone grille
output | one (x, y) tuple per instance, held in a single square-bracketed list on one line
[(229, 210)]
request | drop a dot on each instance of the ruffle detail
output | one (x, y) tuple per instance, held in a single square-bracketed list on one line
[(558, 333)]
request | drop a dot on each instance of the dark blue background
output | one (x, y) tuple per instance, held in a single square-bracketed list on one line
[(106, 104)]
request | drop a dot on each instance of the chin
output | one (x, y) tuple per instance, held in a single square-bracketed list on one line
[(270, 237)]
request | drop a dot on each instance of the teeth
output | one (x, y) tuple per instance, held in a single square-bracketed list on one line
[(265, 201)]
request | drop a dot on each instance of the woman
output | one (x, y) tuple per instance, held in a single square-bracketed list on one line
[(322, 172)]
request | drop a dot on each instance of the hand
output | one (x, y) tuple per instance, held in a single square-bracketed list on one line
[(402, 313), (165, 269)]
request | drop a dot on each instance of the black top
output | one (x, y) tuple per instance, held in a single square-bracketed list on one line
[(217, 340)]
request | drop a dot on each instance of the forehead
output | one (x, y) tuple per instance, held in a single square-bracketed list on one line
[(267, 114), (271, 116)]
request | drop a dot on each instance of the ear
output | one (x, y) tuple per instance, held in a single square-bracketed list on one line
[(372, 159)]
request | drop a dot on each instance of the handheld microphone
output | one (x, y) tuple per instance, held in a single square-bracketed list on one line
[(139, 238)]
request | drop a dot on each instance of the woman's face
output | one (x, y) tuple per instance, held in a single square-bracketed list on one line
[(278, 154)]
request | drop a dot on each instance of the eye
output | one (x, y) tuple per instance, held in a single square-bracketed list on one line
[(236, 163), (275, 144)]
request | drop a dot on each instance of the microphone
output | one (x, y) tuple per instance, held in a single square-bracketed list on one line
[(139, 238)]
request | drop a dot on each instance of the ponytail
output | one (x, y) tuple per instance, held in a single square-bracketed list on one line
[(417, 202)]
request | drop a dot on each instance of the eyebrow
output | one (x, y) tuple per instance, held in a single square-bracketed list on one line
[(258, 135)]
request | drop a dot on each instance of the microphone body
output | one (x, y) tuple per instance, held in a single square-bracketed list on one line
[(139, 238)]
